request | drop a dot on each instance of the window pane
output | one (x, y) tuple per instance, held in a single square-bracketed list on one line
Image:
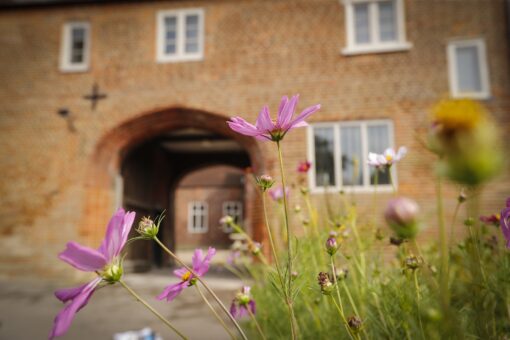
[(361, 24), (170, 23), (352, 158), (324, 160), (378, 141), (170, 35), (387, 21), (77, 44), (468, 69), (191, 34)]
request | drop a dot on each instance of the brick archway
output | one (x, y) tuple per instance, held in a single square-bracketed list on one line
[(99, 199)]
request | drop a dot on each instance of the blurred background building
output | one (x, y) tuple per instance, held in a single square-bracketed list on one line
[(110, 103)]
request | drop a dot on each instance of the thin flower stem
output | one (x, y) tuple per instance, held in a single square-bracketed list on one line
[(392, 182), (289, 247), (418, 298), (250, 241), (205, 285), (273, 247), (342, 315), (445, 298), (455, 213), (259, 329), (333, 270), (349, 296), (149, 307), (214, 312)]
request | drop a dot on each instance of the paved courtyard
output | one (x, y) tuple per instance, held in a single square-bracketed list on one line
[(27, 309)]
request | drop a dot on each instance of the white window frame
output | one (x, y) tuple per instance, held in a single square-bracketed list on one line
[(192, 229), (65, 48), (225, 212), (479, 43), (366, 186), (374, 46), (180, 54)]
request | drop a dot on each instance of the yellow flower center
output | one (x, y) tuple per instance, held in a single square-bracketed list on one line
[(186, 276), (389, 158)]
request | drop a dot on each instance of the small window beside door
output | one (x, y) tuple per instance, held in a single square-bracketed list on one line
[(180, 35), (468, 70), (197, 217), (233, 209), (75, 47)]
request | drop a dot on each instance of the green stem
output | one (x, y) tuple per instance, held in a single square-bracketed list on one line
[(259, 329), (205, 286), (251, 242), (391, 181), (214, 312), (443, 246), (149, 307), (289, 247), (342, 315), (273, 247), (418, 298)]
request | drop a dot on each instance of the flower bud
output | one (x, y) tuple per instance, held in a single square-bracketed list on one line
[(462, 197), (354, 323), (331, 244), (412, 262), (226, 220), (147, 228), (325, 283), (112, 273), (341, 274), (264, 182), (304, 190), (306, 222), (469, 222), (297, 208), (294, 275), (401, 215), (255, 248)]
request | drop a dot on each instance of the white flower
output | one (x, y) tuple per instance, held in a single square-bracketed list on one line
[(388, 158)]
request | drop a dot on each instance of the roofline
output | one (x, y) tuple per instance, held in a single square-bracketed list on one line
[(71, 3)]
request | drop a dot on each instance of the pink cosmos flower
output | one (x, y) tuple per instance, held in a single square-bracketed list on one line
[(267, 129), (105, 261), (505, 222), (242, 303), (303, 167), (490, 219), (200, 267), (388, 158), (277, 193)]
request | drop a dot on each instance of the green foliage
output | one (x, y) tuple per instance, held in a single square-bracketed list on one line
[(394, 290)]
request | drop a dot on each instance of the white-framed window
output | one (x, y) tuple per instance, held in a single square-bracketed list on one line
[(339, 152), (233, 209), (180, 35), (75, 47), (375, 26), (468, 69), (197, 217)]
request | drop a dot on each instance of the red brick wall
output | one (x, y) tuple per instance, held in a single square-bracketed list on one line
[(58, 183), (218, 190)]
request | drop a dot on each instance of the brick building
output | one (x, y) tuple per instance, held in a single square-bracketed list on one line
[(99, 98)]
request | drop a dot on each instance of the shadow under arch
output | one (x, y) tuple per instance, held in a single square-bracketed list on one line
[(103, 170)]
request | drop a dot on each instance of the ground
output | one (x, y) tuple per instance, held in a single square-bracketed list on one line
[(27, 309)]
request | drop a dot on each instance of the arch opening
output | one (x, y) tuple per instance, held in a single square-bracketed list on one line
[(160, 159)]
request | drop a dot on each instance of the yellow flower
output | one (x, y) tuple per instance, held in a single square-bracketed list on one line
[(458, 114)]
